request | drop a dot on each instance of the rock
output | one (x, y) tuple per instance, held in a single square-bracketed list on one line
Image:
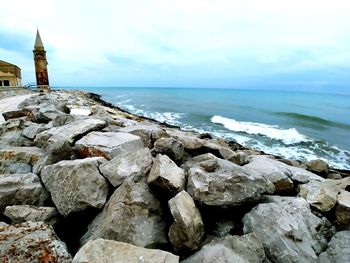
[(80, 111), (187, 231), (240, 249), (76, 185), (170, 147), (280, 174), (17, 114), (334, 176), (110, 251), (288, 229), (132, 215), (322, 195), (11, 133), (148, 132), (14, 168), (166, 175), (31, 242), (67, 132), (23, 213), (28, 155), (342, 211), (318, 166), (217, 182), (108, 144), (190, 142), (18, 189), (31, 131), (132, 167), (338, 249)]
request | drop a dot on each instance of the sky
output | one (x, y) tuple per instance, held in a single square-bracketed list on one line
[(272, 44)]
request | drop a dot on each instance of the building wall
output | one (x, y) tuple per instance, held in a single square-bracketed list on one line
[(9, 79)]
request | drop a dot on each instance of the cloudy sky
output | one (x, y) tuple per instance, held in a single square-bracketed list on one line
[(284, 44)]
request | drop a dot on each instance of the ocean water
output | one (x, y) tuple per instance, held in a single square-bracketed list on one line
[(295, 125)]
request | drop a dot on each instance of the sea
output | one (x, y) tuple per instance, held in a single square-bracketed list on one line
[(295, 125)]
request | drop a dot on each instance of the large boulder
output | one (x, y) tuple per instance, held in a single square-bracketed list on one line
[(217, 182), (26, 155), (76, 185), (322, 195), (318, 166), (166, 175), (31, 131), (238, 249), (170, 147), (8, 167), (338, 249), (11, 133), (24, 213), (288, 229), (189, 140), (108, 144), (132, 167), (187, 231), (17, 189), (67, 132), (280, 174), (31, 242), (110, 251), (132, 215), (342, 210)]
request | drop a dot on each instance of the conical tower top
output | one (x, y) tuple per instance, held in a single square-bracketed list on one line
[(38, 43)]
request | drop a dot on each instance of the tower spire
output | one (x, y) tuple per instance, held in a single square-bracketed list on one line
[(38, 43)]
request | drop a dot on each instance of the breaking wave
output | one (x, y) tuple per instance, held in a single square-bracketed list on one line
[(287, 136)]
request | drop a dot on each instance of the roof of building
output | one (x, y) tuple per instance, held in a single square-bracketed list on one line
[(38, 43), (10, 68)]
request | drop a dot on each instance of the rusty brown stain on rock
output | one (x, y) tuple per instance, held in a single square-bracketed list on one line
[(47, 256)]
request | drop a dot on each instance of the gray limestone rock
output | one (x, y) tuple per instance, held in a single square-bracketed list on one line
[(342, 210), (18, 189), (217, 182), (27, 155), (132, 167), (132, 215), (323, 194), (237, 249), (187, 231), (108, 144), (318, 166), (7, 167), (190, 141), (68, 132), (32, 242), (288, 229), (170, 147), (280, 174), (110, 251), (338, 249), (11, 132), (24, 213), (76, 185), (31, 131), (166, 175)]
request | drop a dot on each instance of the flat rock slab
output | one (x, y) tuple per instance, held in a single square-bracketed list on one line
[(108, 144), (21, 189), (31, 242), (28, 155), (24, 213), (110, 251), (11, 104), (76, 185), (338, 249)]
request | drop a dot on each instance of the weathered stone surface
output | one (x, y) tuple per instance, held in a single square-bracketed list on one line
[(342, 211), (190, 141), (76, 185), (8, 167), (288, 229), (132, 215), (170, 147), (243, 249), (148, 132), (166, 175), (187, 231), (110, 251), (338, 249), (23, 213), (67, 132), (217, 182), (18, 189), (31, 131), (323, 194), (318, 166), (280, 174), (11, 133), (28, 155), (132, 167), (108, 144), (31, 242)]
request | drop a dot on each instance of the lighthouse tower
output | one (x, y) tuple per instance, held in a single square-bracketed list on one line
[(42, 77)]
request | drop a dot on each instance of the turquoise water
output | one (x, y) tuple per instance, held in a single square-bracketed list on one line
[(296, 125)]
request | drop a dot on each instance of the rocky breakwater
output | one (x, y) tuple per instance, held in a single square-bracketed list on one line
[(82, 181)]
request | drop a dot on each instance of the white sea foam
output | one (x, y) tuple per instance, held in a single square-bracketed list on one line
[(287, 136)]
